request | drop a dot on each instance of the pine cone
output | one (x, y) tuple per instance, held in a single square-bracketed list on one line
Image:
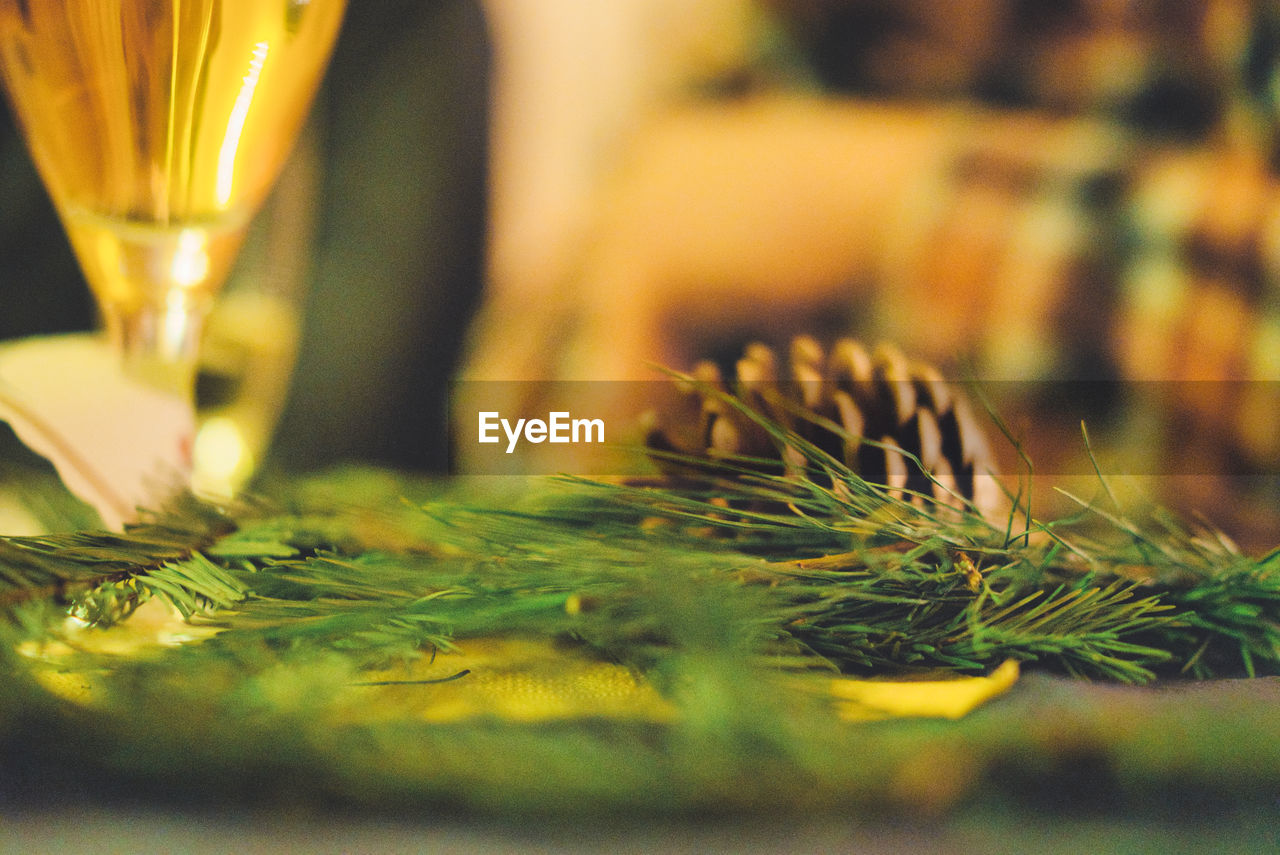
[(837, 401)]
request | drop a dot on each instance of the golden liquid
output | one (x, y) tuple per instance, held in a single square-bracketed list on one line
[(158, 127)]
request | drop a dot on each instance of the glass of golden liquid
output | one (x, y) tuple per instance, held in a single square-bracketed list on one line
[(159, 127)]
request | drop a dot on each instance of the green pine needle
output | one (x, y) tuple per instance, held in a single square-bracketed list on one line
[(818, 564)]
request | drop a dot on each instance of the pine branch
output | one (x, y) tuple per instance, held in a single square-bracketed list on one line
[(731, 600), (105, 575), (1150, 597), (814, 564)]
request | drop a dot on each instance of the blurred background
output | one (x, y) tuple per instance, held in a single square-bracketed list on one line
[(1072, 200)]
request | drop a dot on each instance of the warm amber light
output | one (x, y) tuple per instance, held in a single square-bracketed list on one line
[(222, 458), (190, 265), (235, 124)]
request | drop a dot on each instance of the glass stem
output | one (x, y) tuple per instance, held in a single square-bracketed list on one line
[(159, 342)]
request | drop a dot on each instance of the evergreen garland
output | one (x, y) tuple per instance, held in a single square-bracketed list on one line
[(727, 595)]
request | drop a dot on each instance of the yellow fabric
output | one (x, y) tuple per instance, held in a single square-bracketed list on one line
[(952, 697), (515, 679)]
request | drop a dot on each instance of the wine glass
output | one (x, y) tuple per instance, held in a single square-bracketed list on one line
[(158, 127)]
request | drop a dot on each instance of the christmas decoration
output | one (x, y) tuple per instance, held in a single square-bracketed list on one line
[(891, 420), (713, 644)]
